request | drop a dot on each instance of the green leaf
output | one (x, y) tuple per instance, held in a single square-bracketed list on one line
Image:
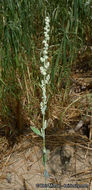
[(42, 132), (36, 131)]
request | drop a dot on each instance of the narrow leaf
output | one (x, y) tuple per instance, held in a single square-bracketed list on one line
[(36, 131)]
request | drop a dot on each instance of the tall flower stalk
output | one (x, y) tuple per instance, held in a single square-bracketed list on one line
[(46, 77)]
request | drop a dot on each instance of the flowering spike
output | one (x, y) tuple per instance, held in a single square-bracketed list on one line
[(45, 67)]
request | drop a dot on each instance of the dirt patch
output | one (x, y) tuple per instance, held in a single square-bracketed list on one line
[(68, 165)]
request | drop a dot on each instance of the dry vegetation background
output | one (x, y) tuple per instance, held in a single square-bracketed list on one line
[(69, 112)]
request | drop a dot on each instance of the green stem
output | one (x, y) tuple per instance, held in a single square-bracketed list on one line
[(44, 154)]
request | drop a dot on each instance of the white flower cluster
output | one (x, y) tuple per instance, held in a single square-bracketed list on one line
[(45, 67)]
